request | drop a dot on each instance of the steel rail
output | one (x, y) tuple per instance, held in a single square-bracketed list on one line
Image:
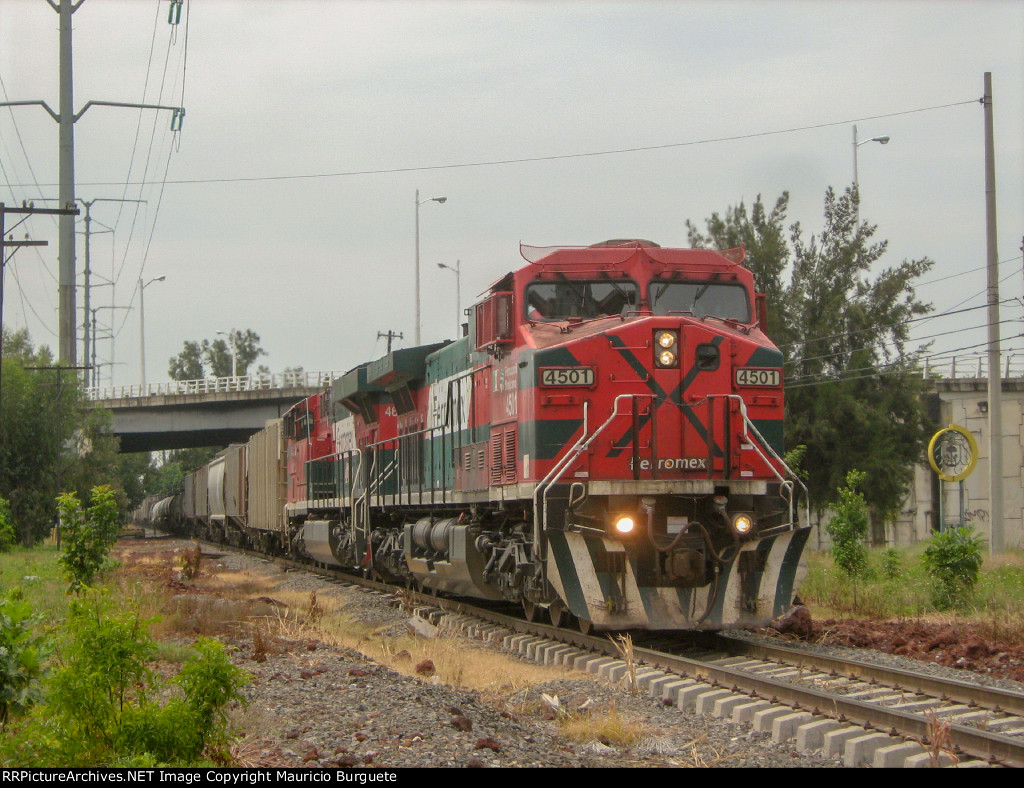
[(955, 690)]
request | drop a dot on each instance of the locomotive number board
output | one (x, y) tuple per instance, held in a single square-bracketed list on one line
[(758, 376), (567, 376)]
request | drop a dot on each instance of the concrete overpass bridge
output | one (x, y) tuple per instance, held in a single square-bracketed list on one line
[(183, 414)]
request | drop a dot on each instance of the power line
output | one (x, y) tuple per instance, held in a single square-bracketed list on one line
[(556, 157), (894, 366)]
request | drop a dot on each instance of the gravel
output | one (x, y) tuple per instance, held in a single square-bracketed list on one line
[(319, 706), (311, 704)]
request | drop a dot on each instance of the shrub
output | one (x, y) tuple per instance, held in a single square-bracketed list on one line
[(892, 567), (8, 536), (953, 560), (22, 657), (87, 537), (99, 710), (849, 528)]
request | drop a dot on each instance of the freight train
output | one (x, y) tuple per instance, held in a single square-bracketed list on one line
[(602, 445)]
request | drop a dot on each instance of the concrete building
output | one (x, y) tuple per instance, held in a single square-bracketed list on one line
[(964, 401)]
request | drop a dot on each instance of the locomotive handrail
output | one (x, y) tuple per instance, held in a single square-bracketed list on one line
[(747, 423), (396, 442), (562, 465)]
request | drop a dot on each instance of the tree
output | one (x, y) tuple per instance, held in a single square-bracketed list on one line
[(198, 360), (88, 535), (188, 364), (51, 438), (853, 390), (849, 528)]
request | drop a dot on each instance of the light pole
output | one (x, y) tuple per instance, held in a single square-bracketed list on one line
[(142, 325), (420, 202), (856, 184), (234, 355), (458, 300)]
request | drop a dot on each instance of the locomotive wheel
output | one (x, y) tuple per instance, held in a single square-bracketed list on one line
[(560, 616), (529, 611)]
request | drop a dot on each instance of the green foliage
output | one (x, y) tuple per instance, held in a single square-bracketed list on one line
[(849, 528), (87, 536), (853, 390), (8, 537), (22, 656), (952, 560), (795, 460), (892, 565), (48, 431), (995, 609), (100, 709)]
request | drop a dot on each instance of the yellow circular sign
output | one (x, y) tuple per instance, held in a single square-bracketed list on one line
[(953, 453)]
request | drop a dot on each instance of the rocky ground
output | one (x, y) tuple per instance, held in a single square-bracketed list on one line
[(314, 703)]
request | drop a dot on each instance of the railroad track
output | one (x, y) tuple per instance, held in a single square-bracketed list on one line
[(866, 713)]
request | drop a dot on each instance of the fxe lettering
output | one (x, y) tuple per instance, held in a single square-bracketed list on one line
[(675, 464)]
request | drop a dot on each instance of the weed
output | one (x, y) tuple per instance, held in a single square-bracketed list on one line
[(892, 567), (8, 537), (939, 741), (610, 728), (624, 645), (953, 560), (190, 561), (314, 612), (22, 657)]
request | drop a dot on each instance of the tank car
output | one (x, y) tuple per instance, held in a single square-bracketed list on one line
[(604, 443)]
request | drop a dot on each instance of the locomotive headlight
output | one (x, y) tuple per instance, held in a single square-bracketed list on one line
[(624, 524), (743, 524), (666, 349)]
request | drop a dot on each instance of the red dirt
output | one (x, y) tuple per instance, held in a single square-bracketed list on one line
[(952, 645)]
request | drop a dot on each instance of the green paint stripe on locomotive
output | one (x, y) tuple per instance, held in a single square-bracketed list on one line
[(772, 431), (765, 357), (547, 439)]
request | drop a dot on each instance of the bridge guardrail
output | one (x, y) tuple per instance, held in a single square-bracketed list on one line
[(254, 382), (972, 365)]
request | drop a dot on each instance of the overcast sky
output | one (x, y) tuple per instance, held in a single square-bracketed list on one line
[(286, 204)]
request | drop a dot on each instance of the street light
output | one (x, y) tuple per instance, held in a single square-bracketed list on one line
[(142, 326), (458, 305), (234, 357), (420, 202), (856, 184)]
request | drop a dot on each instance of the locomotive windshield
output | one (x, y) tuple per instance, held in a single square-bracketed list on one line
[(701, 299), (583, 299)]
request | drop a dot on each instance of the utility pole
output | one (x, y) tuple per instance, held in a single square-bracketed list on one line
[(66, 118), (390, 335), (95, 364), (995, 384), (87, 345)]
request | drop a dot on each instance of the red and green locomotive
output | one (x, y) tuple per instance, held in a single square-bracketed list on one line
[(604, 443)]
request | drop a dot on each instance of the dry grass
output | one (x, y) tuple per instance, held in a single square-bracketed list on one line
[(608, 727), (251, 606), (624, 645), (191, 559), (939, 742)]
